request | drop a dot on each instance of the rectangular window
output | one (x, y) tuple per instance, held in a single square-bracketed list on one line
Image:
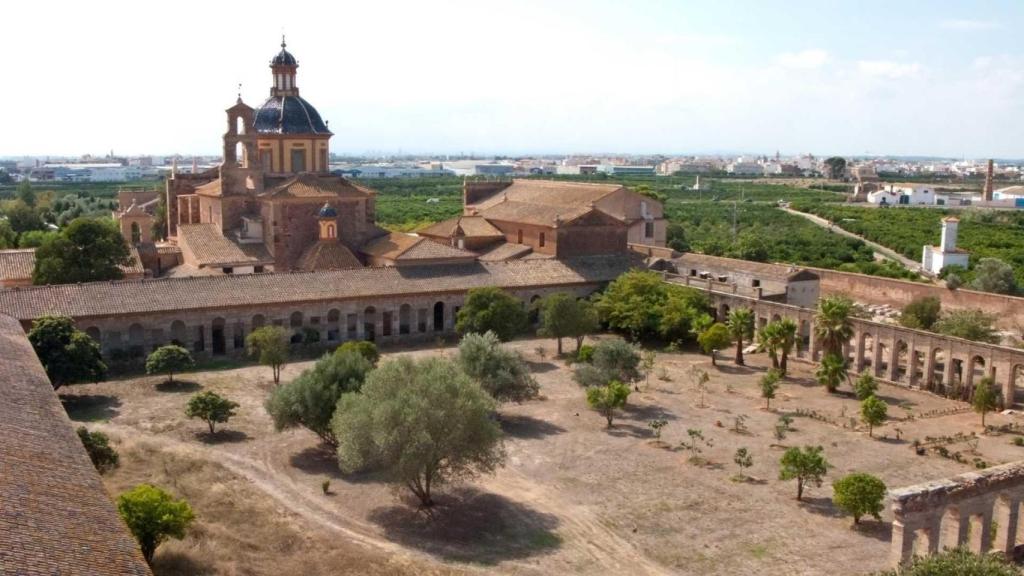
[(229, 270), (323, 161), (520, 241), (298, 160), (755, 283), (648, 229), (541, 239), (267, 160)]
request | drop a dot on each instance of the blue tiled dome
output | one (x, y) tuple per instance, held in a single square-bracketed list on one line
[(284, 57), (328, 211), (288, 115)]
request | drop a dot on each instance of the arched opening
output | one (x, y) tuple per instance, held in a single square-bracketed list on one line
[(902, 361), (94, 333), (136, 335), (295, 322), (370, 323), (881, 364), (179, 334), (258, 321), (421, 320), (331, 233), (217, 333), (439, 317), (776, 317), (404, 318), (867, 347), (958, 378), (333, 330), (937, 377), (723, 312), (534, 311), (238, 336), (1016, 376), (387, 320), (977, 370), (917, 364), (239, 125), (136, 233), (240, 154)]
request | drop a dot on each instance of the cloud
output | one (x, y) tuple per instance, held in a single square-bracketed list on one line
[(805, 59), (888, 68), (970, 25)]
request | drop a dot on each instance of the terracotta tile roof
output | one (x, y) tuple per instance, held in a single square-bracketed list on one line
[(427, 249), (204, 245), (552, 192), (328, 255), (390, 246), (19, 264), (539, 214), (56, 517), (209, 189), (506, 251), (761, 269), (471, 226), (399, 246), (218, 292), (309, 185)]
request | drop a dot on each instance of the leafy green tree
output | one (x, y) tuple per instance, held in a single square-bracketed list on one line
[(647, 362), (35, 238), (364, 348), (956, 562), (994, 275), (501, 372), (492, 309), (769, 385), (86, 250), (744, 459), (25, 194), (832, 371), (97, 445), (211, 408), (619, 359), (832, 324), (631, 303), (741, 326), (859, 494), (153, 516), (807, 466), (67, 354), (23, 217), (563, 316), (270, 345), (8, 237), (969, 325), (168, 360), (716, 337), (835, 167), (310, 400), (865, 386), (683, 310), (587, 375), (986, 399), (921, 313), (873, 412), (608, 398), (419, 423)]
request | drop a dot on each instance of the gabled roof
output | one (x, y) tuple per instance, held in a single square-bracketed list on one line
[(207, 246), (19, 264), (551, 192), (327, 255), (402, 247), (760, 269), (469, 226), (538, 214), (212, 188), (309, 185), (505, 251)]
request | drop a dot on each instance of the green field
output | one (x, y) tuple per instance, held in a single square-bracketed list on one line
[(985, 233)]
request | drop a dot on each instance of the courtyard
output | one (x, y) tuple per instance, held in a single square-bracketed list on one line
[(574, 496)]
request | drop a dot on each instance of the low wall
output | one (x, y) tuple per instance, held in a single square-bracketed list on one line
[(1009, 310)]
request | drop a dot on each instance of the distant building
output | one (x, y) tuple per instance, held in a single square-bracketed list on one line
[(616, 170), (376, 171), (479, 168), (906, 194), (935, 258), (745, 169)]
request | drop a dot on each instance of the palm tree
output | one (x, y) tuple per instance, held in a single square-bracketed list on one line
[(787, 341), (741, 325), (769, 339), (832, 371), (832, 325)]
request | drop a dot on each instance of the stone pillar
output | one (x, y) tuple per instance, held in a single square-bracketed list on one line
[(894, 362), (876, 353), (858, 354), (1009, 387), (912, 364), (813, 346), (360, 321), (963, 531), (207, 339), (929, 366), (969, 379), (1006, 519), (986, 530), (934, 531), (902, 547), (947, 371)]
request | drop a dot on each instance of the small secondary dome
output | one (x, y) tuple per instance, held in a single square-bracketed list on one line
[(328, 211)]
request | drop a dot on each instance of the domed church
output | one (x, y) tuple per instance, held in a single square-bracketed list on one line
[(273, 205)]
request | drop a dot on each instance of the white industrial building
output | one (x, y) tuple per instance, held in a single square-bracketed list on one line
[(906, 194), (935, 258)]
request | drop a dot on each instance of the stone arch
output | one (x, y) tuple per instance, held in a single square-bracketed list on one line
[(936, 381), (902, 361), (439, 317), (179, 333), (333, 316), (916, 364), (295, 320), (881, 364), (804, 336), (975, 370), (219, 344), (238, 335), (404, 318), (1016, 382), (136, 335), (258, 321), (534, 310), (370, 323), (867, 346), (94, 333)]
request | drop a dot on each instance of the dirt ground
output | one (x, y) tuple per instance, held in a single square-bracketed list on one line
[(574, 497)]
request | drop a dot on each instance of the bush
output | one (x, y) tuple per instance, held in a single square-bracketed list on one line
[(970, 325), (716, 337), (606, 399), (97, 445), (153, 516), (956, 562), (859, 494), (585, 354), (501, 372), (619, 359), (865, 386), (492, 309), (364, 348)]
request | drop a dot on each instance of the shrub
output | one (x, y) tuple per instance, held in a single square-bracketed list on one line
[(606, 399), (168, 360), (211, 408), (585, 353), (807, 466), (865, 386), (97, 445), (859, 494), (501, 372), (492, 309), (153, 516), (364, 348)]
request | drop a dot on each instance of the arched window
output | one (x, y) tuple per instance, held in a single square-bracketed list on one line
[(296, 320), (330, 231), (258, 321), (136, 233), (239, 125)]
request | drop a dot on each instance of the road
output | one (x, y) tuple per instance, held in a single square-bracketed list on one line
[(878, 248)]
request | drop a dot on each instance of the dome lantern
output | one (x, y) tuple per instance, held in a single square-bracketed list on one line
[(284, 67)]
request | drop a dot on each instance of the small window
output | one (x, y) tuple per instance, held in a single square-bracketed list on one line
[(541, 239), (693, 272), (520, 241), (229, 270), (648, 229), (756, 283), (257, 269), (298, 160)]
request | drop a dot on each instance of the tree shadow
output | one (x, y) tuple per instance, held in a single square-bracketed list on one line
[(540, 367), (874, 529), (223, 437), (620, 429), (527, 427), (178, 386), (173, 563), (734, 369), (647, 412), (90, 407), (821, 505), (467, 525), (317, 460)]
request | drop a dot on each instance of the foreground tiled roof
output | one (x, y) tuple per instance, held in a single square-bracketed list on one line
[(19, 264), (427, 249), (55, 516), (328, 255), (182, 294), (208, 247)]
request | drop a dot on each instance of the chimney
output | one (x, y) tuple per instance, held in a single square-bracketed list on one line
[(987, 194), (949, 233)]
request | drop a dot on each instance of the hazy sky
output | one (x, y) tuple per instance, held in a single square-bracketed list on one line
[(879, 77)]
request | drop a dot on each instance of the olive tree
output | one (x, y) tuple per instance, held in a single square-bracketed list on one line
[(269, 345), (420, 423), (564, 316), (310, 400), (500, 371)]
